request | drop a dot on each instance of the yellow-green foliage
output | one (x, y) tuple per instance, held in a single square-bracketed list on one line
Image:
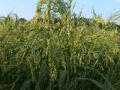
[(64, 53)]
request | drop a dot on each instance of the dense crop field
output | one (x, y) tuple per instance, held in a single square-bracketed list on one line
[(65, 53)]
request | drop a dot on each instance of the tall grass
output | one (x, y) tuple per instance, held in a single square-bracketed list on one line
[(63, 53)]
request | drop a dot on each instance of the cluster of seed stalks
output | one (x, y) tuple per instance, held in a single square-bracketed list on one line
[(58, 50)]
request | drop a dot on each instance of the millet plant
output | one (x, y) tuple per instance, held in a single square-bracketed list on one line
[(58, 50)]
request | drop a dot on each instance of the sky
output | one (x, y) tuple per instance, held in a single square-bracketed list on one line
[(26, 8)]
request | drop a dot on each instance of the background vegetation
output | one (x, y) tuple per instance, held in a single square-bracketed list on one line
[(59, 50)]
